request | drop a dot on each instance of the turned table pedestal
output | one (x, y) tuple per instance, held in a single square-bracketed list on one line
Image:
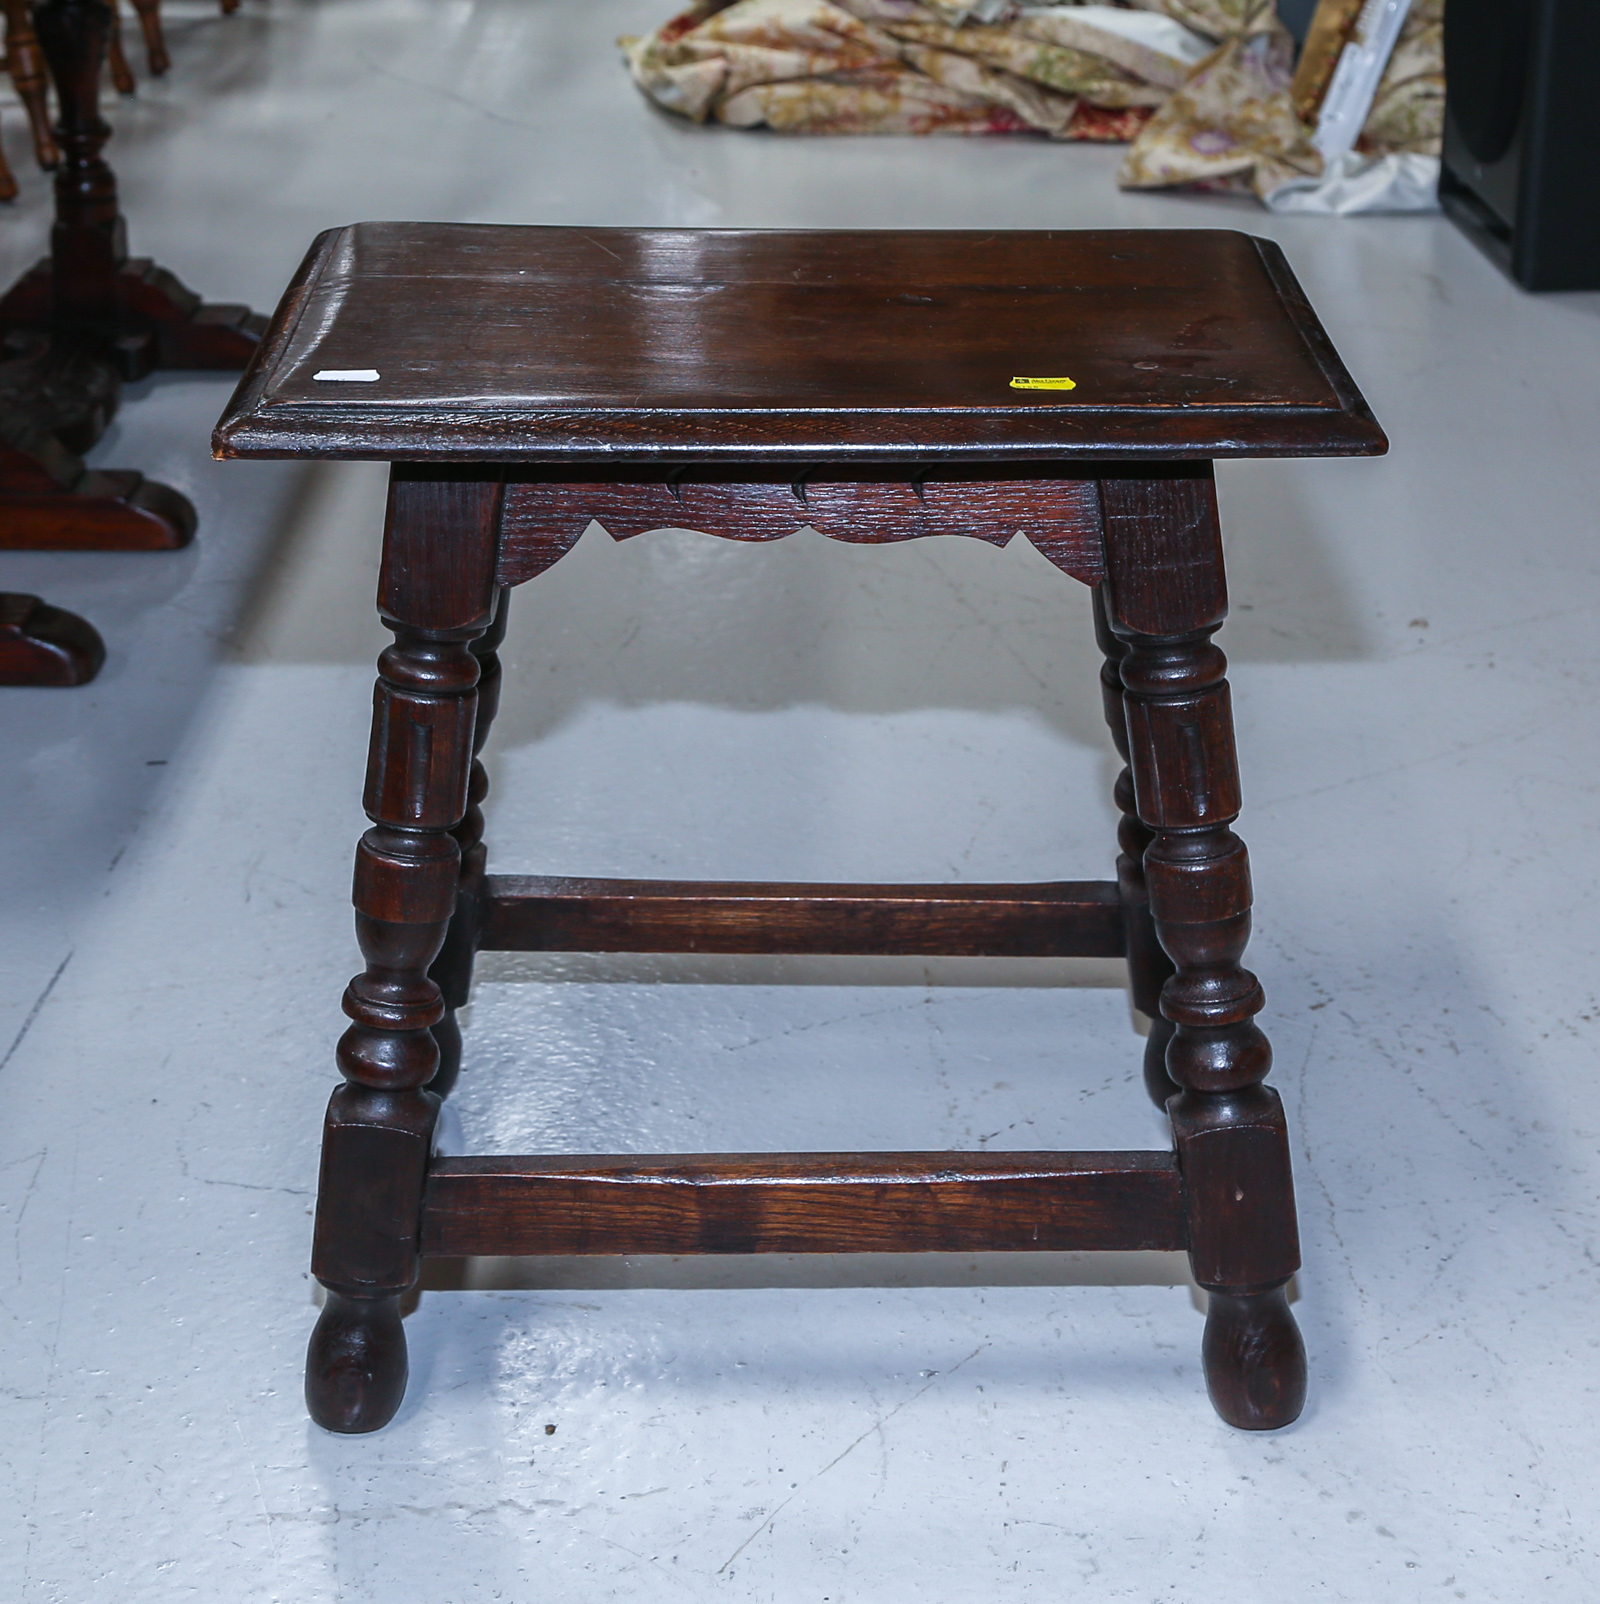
[(1072, 388)]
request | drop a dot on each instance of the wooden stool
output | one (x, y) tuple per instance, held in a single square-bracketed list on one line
[(876, 387)]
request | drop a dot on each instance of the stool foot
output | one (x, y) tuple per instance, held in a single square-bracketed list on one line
[(1157, 1082), (447, 1035), (1255, 1360), (356, 1365)]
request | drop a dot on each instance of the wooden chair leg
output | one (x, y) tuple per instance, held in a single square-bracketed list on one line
[(155, 44), (452, 969), (25, 63), (1166, 597), (8, 180), (122, 78), (379, 1126), (1148, 964)]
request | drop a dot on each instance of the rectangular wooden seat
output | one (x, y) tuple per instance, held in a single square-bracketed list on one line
[(1069, 388), (682, 345)]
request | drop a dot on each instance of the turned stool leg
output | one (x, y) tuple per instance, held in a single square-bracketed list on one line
[(1166, 598), (435, 592), (452, 969), (1148, 964)]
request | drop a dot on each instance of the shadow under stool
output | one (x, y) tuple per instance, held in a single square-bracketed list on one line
[(875, 386)]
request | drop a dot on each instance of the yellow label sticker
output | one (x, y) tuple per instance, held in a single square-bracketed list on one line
[(1044, 384)]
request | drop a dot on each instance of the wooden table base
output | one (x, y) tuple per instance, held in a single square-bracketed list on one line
[(83, 319)]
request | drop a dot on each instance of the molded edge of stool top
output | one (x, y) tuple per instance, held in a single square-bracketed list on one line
[(474, 342)]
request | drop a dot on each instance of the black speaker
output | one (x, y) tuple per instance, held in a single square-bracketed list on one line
[(1521, 170)]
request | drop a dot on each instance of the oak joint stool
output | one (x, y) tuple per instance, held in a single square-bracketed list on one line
[(875, 386)]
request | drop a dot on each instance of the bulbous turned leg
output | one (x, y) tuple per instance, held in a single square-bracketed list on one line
[(1228, 1128), (356, 1364), (1148, 963), (1255, 1360), (452, 969), (1158, 1084), (447, 1036), (378, 1133)]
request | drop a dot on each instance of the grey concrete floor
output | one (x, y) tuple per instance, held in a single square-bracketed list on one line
[(1415, 668)]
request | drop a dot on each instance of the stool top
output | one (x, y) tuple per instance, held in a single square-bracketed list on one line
[(466, 342)]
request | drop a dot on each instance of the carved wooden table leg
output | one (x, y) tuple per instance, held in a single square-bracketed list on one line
[(25, 63), (45, 645), (142, 316), (1166, 597), (452, 969), (78, 320), (53, 405), (1148, 964), (437, 598)]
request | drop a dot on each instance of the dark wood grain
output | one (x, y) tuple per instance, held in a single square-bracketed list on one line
[(1068, 919), (127, 311), (54, 404), (1061, 517), (748, 384), (451, 971), (438, 568), (1164, 598), (407, 878), (44, 645), (607, 345), (1148, 964), (804, 1203)]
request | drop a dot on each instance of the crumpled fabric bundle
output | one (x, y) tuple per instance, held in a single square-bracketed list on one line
[(1201, 90), (1232, 125), (915, 66)]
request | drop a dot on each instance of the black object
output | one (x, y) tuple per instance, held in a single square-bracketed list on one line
[(1521, 172)]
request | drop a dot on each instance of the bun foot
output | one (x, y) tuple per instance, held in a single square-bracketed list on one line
[(1255, 1361), (447, 1037), (356, 1365), (1157, 1082)]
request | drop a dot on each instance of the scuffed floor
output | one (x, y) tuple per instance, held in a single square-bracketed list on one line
[(1415, 672)]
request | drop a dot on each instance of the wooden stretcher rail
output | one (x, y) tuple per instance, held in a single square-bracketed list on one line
[(1068, 919), (804, 1203)]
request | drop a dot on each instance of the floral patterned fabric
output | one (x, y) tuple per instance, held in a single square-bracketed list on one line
[(1233, 125), (1203, 103), (902, 66)]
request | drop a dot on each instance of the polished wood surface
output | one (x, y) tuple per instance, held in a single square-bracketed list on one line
[(42, 645), (531, 380), (804, 1203), (599, 345), (525, 913)]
